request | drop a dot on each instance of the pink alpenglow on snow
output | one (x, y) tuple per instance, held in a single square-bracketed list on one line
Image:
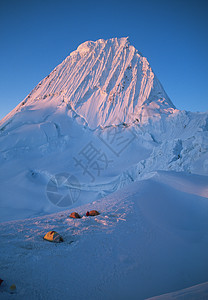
[(104, 82)]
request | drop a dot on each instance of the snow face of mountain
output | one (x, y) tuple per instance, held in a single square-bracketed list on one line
[(105, 82)]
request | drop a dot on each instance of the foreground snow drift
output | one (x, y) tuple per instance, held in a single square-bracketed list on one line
[(150, 239)]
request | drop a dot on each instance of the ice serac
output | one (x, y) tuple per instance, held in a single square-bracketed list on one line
[(105, 82)]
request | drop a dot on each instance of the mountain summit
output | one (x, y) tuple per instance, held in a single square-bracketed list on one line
[(104, 82)]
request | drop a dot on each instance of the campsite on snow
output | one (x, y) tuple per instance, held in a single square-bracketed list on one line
[(104, 185)]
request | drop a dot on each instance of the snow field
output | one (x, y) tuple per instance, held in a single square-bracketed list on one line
[(150, 239)]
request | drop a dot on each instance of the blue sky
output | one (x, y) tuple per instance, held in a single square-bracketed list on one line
[(36, 36)]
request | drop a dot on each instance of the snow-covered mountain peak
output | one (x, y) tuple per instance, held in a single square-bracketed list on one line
[(105, 82)]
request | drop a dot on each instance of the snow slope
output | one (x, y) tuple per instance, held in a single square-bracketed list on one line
[(150, 238), (33, 154)]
